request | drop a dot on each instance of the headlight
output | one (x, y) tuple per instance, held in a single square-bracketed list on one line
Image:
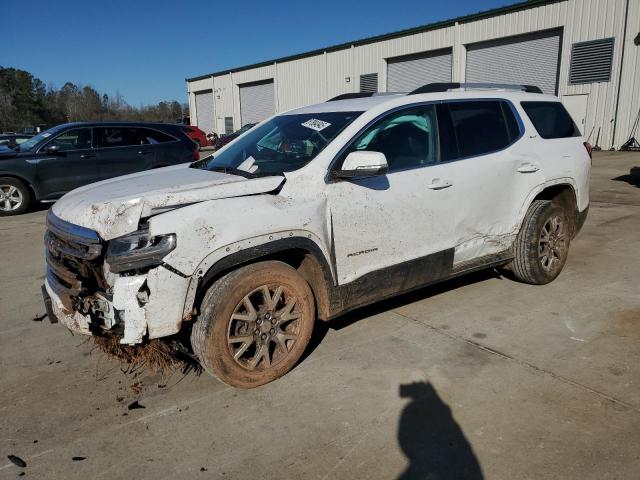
[(138, 250)]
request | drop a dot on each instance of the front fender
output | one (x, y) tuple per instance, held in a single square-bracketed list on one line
[(246, 251)]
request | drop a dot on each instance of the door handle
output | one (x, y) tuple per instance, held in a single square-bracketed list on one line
[(143, 152), (439, 184), (528, 168), (88, 155)]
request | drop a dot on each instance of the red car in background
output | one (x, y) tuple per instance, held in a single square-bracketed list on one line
[(197, 135)]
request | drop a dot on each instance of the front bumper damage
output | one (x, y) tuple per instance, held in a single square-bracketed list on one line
[(143, 306), (87, 299)]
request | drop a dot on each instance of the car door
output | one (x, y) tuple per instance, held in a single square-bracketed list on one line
[(122, 150), (494, 172), (402, 217), (71, 163)]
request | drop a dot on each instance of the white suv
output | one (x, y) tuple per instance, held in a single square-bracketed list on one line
[(315, 212)]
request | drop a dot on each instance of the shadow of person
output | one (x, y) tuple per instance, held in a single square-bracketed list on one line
[(432, 440)]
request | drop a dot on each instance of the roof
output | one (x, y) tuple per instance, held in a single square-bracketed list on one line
[(350, 105), (387, 36), (398, 99)]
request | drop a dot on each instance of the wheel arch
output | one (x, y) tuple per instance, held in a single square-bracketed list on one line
[(303, 254), (562, 192), (34, 193)]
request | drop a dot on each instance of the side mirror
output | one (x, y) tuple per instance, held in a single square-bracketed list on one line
[(363, 164), (53, 149)]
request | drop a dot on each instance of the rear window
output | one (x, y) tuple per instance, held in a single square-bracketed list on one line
[(551, 119), (108, 137), (478, 127)]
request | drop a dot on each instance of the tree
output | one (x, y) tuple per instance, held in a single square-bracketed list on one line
[(25, 101)]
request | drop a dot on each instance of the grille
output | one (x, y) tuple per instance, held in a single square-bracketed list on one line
[(74, 257)]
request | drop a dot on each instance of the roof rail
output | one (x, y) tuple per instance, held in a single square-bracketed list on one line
[(443, 87), (348, 96)]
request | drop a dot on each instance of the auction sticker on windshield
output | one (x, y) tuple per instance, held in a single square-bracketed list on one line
[(315, 124)]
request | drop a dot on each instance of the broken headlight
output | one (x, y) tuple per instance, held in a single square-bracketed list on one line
[(138, 250)]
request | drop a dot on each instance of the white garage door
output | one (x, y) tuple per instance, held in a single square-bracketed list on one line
[(528, 60), (204, 111), (256, 102), (407, 73)]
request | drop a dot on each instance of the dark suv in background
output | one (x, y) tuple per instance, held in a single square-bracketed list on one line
[(71, 155)]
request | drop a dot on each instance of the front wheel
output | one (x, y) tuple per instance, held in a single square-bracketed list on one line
[(255, 324), (542, 245), (15, 197)]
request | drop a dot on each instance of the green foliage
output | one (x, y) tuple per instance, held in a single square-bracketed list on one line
[(25, 101)]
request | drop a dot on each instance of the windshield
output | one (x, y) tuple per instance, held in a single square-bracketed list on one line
[(283, 144), (36, 139)]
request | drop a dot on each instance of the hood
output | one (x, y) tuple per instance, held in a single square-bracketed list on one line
[(114, 207)]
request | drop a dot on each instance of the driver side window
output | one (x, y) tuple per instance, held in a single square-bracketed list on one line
[(408, 138), (76, 139)]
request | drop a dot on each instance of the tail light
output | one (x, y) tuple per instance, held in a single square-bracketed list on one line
[(196, 155), (589, 148)]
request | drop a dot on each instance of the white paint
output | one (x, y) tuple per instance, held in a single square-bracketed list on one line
[(125, 291)]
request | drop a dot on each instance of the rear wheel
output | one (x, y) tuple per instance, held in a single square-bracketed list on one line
[(255, 324), (542, 246), (15, 197)]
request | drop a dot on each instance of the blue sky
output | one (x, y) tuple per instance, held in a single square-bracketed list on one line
[(145, 49)]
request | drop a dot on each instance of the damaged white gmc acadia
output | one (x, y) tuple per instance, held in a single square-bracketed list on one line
[(315, 212)]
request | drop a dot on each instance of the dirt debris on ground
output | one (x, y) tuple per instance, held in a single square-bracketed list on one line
[(156, 355)]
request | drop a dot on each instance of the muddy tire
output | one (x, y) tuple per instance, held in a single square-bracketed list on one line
[(542, 245), (255, 324), (15, 197)]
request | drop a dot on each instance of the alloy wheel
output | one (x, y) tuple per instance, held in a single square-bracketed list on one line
[(264, 327), (552, 246), (10, 198)]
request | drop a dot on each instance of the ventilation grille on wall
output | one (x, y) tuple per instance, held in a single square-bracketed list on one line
[(228, 124), (369, 83), (591, 61)]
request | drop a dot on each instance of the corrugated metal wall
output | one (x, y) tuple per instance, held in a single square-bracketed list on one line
[(407, 73), (530, 59), (314, 79), (204, 111)]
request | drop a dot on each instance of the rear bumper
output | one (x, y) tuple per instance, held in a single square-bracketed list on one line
[(582, 217)]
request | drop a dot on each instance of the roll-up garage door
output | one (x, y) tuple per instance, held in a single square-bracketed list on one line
[(530, 59), (407, 73), (256, 102), (204, 111)]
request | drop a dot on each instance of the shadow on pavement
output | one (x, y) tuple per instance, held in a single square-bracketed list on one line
[(433, 442), (632, 178)]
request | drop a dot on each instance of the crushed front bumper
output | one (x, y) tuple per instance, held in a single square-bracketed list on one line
[(149, 305), (78, 294)]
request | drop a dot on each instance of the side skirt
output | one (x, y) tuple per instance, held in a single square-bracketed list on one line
[(406, 277)]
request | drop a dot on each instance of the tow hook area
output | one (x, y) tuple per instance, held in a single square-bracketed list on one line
[(129, 296), (100, 308)]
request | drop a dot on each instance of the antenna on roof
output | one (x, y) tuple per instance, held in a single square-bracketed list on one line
[(444, 87)]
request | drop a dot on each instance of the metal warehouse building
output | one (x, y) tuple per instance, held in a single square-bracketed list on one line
[(585, 51)]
